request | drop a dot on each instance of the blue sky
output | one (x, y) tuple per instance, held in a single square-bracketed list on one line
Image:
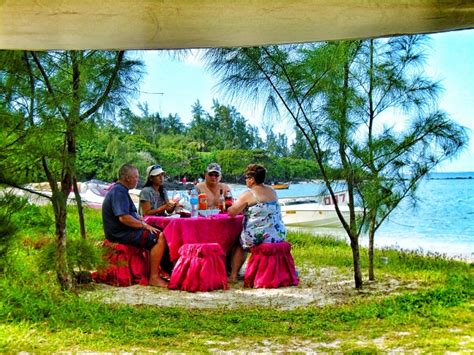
[(173, 86)]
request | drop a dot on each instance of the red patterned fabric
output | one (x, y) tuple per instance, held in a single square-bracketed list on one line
[(270, 266), (200, 267), (219, 228), (127, 265)]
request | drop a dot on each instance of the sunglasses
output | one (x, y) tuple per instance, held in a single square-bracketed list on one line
[(213, 174), (155, 167)]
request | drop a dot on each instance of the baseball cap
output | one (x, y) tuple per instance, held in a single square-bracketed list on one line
[(214, 167)]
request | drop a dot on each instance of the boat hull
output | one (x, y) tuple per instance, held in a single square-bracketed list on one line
[(313, 215), (280, 186)]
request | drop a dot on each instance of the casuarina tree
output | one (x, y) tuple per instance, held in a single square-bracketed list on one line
[(335, 93), (47, 96)]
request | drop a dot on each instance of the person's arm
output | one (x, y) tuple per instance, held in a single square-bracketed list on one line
[(240, 204), (170, 205), (199, 188), (132, 222), (147, 210)]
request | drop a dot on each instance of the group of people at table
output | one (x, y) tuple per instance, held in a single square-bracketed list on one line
[(262, 222)]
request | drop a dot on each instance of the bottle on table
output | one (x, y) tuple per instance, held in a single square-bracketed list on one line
[(221, 204), (202, 201), (228, 200), (194, 202)]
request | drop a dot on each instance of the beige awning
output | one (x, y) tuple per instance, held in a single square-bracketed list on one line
[(155, 24)]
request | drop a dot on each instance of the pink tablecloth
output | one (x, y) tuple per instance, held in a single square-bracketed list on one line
[(220, 229), (200, 267)]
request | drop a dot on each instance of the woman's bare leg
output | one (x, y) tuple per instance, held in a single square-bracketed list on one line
[(238, 259)]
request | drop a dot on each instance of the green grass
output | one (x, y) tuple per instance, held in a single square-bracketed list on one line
[(436, 316), (46, 323)]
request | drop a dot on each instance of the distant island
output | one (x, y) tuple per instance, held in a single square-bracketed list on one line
[(451, 176)]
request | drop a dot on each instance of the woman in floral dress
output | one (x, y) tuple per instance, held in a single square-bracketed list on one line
[(262, 216)]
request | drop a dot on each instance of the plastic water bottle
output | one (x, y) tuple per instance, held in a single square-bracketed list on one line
[(194, 202)]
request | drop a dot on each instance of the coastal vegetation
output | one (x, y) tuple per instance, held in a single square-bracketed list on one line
[(338, 95), (221, 135), (47, 96), (66, 118), (430, 309)]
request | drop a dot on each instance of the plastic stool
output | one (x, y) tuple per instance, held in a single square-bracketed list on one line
[(127, 265)]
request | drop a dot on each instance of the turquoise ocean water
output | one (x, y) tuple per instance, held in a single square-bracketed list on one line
[(442, 221)]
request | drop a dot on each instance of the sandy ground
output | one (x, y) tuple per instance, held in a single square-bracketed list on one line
[(319, 287)]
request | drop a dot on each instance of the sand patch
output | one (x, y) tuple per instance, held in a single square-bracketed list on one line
[(318, 287)]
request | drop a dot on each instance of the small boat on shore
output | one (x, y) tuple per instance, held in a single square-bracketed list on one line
[(280, 186), (312, 211), (92, 193)]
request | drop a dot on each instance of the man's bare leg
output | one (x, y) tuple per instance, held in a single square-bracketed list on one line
[(156, 253)]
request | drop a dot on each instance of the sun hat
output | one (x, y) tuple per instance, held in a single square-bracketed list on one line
[(154, 170), (214, 167)]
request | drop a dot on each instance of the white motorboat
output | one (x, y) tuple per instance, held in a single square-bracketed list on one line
[(92, 193), (309, 211), (313, 211)]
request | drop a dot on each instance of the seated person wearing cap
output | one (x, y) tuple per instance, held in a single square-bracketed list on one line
[(123, 225), (154, 197), (212, 185)]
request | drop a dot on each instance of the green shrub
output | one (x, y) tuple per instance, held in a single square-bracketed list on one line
[(82, 255), (10, 206), (38, 218)]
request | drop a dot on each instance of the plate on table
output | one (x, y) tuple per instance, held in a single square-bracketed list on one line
[(207, 213), (184, 214)]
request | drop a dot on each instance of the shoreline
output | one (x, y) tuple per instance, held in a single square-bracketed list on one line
[(384, 241), (408, 237)]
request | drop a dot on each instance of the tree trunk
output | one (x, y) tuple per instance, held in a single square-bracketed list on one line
[(80, 209), (371, 249), (62, 271), (59, 202), (356, 262), (72, 122)]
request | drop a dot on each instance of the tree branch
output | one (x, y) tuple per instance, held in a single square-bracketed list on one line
[(105, 94), (48, 85)]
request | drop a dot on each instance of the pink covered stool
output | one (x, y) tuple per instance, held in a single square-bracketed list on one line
[(270, 266), (126, 265), (200, 267)]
